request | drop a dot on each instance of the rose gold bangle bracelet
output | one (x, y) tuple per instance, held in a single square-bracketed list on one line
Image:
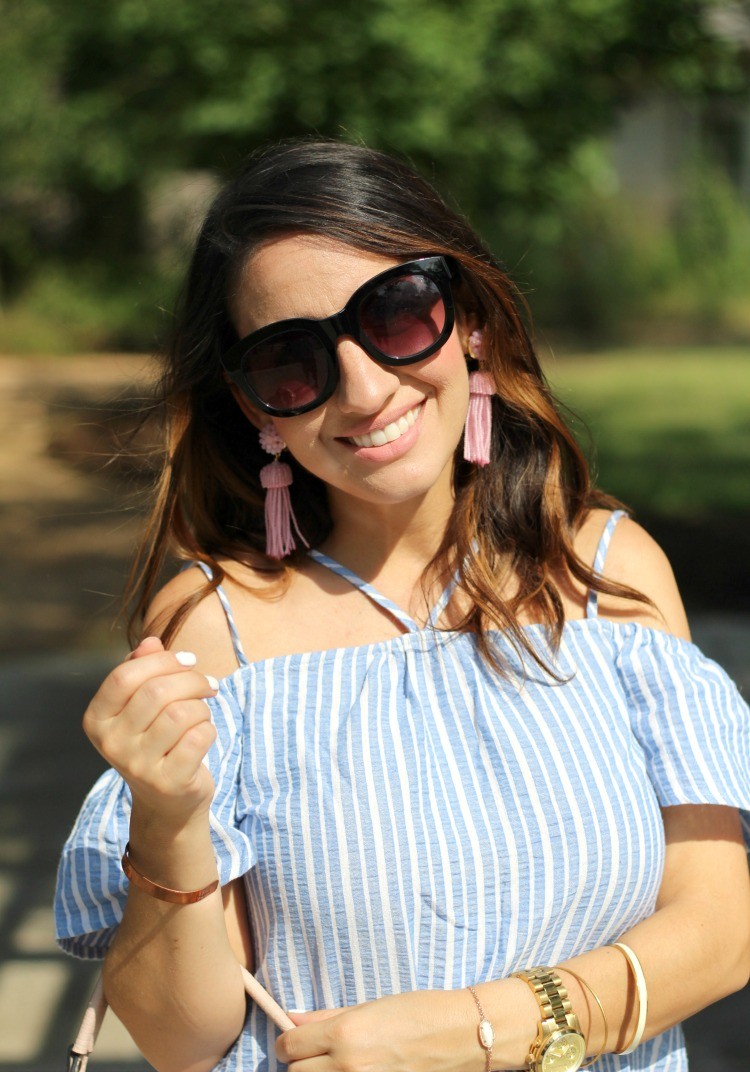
[(163, 893)]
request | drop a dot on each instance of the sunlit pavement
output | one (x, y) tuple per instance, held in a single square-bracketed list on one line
[(45, 768)]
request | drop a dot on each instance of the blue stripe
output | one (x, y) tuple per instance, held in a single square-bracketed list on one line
[(405, 820)]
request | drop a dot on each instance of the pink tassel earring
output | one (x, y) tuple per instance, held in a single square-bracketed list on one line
[(276, 477), (478, 428)]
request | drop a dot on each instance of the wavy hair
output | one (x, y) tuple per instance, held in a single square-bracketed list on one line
[(519, 513)]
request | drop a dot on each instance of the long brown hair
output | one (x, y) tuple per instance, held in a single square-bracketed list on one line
[(521, 512)]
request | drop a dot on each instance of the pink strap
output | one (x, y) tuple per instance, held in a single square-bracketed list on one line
[(78, 1054), (262, 998)]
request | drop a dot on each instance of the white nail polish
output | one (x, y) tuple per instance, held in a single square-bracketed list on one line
[(186, 658), (297, 1010), (214, 684)]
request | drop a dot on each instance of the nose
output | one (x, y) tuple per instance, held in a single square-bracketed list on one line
[(364, 384)]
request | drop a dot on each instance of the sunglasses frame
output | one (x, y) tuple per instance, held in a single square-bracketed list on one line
[(328, 330)]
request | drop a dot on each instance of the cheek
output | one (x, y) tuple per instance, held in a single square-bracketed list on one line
[(449, 371), (300, 434)]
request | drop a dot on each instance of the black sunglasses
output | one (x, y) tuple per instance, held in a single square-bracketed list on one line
[(400, 316)]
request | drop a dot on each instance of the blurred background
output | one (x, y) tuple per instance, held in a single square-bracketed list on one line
[(602, 147)]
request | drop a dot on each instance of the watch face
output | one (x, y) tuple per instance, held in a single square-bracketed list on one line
[(565, 1053)]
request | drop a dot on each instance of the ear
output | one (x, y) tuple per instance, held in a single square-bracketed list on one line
[(254, 415)]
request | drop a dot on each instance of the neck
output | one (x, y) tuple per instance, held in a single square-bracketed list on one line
[(375, 537)]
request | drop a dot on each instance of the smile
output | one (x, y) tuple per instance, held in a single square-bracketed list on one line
[(390, 433)]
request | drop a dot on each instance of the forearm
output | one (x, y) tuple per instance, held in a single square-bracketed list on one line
[(689, 960), (170, 974), (694, 949)]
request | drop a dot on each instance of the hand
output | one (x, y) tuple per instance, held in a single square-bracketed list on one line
[(419, 1031), (149, 721)]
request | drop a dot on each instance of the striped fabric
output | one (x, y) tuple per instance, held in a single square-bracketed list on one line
[(405, 820)]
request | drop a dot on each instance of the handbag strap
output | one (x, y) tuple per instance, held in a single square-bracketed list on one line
[(82, 1048)]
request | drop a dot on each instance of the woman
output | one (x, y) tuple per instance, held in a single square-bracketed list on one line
[(465, 735)]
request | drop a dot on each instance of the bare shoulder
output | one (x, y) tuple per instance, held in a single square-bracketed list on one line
[(634, 558), (205, 629)]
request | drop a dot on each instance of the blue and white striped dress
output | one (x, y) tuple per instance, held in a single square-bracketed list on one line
[(404, 820)]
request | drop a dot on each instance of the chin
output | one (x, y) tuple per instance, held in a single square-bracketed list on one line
[(409, 483)]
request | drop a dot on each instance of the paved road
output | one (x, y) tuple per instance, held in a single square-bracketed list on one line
[(45, 767)]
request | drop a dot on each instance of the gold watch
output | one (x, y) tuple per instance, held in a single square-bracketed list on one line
[(559, 1045)]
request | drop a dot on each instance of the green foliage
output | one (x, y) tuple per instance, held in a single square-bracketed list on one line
[(712, 239), (670, 426), (610, 270), (493, 98), (65, 312)]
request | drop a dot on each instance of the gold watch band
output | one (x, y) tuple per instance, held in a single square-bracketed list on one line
[(559, 1042), (551, 993)]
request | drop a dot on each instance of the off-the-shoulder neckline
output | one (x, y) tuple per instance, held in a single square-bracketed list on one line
[(414, 638)]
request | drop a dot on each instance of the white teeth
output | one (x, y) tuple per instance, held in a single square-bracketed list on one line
[(389, 433)]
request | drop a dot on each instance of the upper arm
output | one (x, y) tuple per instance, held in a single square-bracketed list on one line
[(705, 854), (706, 869), (204, 631), (635, 559)]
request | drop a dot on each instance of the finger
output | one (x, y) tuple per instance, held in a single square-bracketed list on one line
[(147, 646), (183, 764), (172, 723), (118, 734), (307, 1040), (322, 1063), (157, 693), (121, 684), (308, 1016)]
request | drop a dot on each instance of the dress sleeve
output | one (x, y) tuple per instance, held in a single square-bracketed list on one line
[(91, 887), (690, 719)]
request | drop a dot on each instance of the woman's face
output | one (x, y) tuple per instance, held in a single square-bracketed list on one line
[(307, 276)]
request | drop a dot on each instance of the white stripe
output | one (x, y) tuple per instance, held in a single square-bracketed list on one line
[(445, 793)]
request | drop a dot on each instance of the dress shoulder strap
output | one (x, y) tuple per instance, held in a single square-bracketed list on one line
[(239, 651), (445, 598), (592, 602), (366, 589)]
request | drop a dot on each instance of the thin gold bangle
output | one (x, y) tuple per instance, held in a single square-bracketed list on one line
[(601, 1010)]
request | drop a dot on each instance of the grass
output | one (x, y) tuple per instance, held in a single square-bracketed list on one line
[(670, 427)]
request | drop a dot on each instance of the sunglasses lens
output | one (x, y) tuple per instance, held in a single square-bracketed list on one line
[(403, 316), (287, 371)]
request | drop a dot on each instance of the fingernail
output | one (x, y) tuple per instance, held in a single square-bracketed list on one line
[(296, 1010), (186, 658), (212, 682)]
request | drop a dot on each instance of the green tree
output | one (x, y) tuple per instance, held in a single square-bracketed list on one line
[(490, 97)]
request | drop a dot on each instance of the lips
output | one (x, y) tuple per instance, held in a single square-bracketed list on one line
[(390, 432)]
